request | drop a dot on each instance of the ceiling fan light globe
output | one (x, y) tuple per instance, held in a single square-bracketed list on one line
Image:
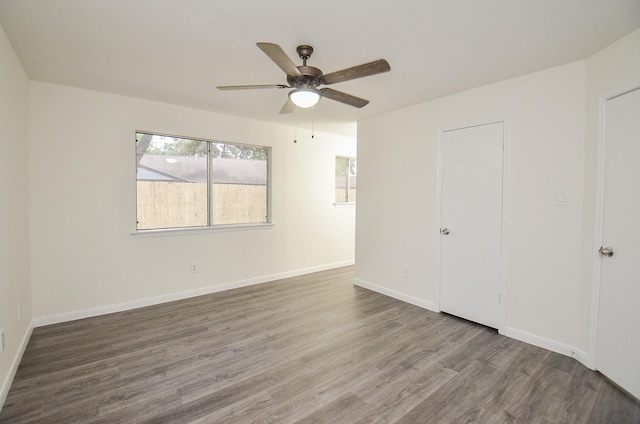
[(304, 97)]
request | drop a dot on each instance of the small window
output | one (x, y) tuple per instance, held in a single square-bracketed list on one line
[(184, 182), (345, 179)]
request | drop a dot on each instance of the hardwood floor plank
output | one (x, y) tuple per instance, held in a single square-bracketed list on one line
[(392, 394), (248, 410), (310, 348), (344, 409), (614, 406), (317, 395), (581, 396), (456, 397)]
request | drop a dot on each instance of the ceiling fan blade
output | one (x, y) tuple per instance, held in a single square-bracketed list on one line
[(288, 107), (371, 68), (339, 96), (250, 87), (280, 58)]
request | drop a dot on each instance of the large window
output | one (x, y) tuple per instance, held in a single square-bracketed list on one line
[(345, 180), (184, 182)]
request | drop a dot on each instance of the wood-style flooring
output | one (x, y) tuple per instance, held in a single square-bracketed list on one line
[(309, 349)]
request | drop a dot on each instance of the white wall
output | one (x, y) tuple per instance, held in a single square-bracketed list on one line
[(82, 206), (396, 217), (14, 250)]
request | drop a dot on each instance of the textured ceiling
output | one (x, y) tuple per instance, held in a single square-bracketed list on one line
[(178, 51)]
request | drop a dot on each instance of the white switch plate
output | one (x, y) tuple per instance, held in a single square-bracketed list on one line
[(562, 198)]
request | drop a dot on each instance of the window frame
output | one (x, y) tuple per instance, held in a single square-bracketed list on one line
[(347, 181), (154, 232)]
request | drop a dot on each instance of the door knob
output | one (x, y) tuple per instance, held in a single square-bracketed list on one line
[(444, 231), (606, 251)]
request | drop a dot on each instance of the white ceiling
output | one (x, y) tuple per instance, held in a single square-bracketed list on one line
[(178, 51)]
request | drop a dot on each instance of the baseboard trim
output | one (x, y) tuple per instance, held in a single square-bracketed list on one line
[(396, 295), (141, 303), (547, 344), (6, 384), (513, 333)]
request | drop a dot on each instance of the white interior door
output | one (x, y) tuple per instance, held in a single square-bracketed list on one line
[(618, 332), (471, 220)]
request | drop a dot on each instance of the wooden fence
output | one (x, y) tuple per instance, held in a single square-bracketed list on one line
[(163, 204), (341, 195)]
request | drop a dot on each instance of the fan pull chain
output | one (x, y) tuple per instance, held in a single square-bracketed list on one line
[(312, 109), (295, 134)]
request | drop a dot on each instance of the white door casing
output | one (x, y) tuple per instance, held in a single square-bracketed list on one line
[(616, 337), (471, 193)]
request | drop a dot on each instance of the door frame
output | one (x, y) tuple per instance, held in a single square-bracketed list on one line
[(503, 218), (598, 232)]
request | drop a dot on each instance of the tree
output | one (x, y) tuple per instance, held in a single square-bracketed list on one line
[(176, 146), (238, 151)]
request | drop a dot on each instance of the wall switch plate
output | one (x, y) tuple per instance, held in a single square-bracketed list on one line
[(1, 340), (562, 198)]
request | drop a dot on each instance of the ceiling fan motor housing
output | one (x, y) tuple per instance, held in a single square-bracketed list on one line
[(310, 77)]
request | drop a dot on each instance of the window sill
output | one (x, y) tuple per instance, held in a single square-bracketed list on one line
[(345, 205), (200, 230)]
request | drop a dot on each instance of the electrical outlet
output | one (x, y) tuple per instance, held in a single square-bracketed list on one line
[(1, 340), (405, 272), (194, 267)]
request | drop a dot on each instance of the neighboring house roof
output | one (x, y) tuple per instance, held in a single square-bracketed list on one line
[(194, 169), (240, 171), (145, 173)]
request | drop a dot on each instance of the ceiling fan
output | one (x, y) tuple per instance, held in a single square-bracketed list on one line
[(306, 80)]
